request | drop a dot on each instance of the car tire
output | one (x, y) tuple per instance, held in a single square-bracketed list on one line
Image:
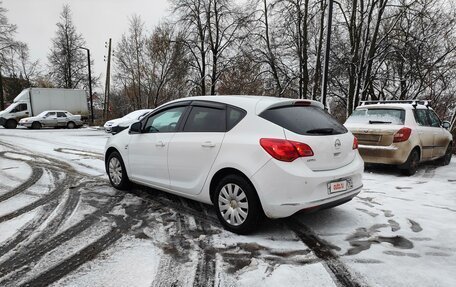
[(36, 125), (237, 205), (116, 171), (10, 124), (71, 125), (411, 165), (446, 159)]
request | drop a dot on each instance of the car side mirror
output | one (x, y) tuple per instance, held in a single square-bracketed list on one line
[(446, 125), (135, 128)]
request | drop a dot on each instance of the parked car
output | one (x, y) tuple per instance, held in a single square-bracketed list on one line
[(117, 125), (248, 156), (52, 119), (33, 101), (402, 133)]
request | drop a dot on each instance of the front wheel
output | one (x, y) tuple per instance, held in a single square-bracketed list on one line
[(11, 124), (36, 125), (411, 165), (116, 171), (71, 125), (237, 205)]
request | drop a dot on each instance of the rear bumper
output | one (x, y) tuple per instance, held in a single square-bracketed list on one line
[(396, 153), (287, 188)]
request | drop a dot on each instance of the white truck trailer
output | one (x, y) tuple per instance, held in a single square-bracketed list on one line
[(32, 101)]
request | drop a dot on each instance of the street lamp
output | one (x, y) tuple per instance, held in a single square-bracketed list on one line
[(90, 81)]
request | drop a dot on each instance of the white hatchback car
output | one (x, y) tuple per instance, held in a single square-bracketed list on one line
[(248, 156)]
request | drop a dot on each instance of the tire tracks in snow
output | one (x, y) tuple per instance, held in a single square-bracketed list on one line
[(324, 251)]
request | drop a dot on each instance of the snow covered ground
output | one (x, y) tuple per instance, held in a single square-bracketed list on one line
[(61, 224)]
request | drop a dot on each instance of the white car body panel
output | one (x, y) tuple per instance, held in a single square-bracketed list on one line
[(184, 166)]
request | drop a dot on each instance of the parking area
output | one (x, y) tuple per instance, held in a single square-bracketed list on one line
[(62, 224)]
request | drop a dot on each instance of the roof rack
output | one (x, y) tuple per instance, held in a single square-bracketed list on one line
[(413, 102)]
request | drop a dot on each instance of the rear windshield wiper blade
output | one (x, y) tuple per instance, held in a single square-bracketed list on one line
[(379, 122), (325, 131)]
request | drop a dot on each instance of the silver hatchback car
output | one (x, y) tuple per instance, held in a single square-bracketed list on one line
[(52, 119)]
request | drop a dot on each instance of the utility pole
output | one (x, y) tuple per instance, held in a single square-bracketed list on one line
[(324, 88), (107, 84), (90, 82)]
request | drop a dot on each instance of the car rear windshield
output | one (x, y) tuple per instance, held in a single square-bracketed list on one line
[(304, 120), (377, 116)]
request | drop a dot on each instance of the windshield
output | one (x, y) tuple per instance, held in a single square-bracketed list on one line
[(42, 114), (11, 107), (377, 116)]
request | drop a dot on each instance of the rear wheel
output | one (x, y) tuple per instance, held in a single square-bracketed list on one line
[(71, 125), (237, 205), (116, 171), (36, 125), (11, 124), (411, 165), (446, 159)]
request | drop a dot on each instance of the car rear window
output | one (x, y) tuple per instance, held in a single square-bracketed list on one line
[(377, 116), (304, 120)]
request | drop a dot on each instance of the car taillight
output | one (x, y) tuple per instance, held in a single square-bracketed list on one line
[(402, 135), (285, 150), (355, 143)]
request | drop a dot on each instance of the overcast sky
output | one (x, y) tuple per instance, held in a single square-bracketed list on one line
[(97, 20)]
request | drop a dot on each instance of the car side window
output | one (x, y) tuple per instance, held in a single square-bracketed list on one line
[(421, 118), (205, 119), (22, 107), (164, 122), (61, 115), (234, 117), (50, 114), (434, 119)]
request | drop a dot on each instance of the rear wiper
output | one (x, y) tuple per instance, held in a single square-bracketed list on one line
[(378, 122), (325, 131)]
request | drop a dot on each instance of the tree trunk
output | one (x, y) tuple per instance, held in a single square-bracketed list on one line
[(2, 101)]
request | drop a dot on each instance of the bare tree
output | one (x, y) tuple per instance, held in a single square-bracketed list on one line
[(129, 57), (167, 65), (7, 42)]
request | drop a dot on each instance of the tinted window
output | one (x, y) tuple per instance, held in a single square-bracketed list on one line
[(433, 119), (421, 117), (61, 115), (234, 117), (304, 120), (164, 122), (204, 119), (377, 116)]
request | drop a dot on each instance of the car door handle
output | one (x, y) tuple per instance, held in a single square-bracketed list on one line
[(160, 144), (208, 144)]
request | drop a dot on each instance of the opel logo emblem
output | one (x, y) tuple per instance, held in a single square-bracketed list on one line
[(337, 144)]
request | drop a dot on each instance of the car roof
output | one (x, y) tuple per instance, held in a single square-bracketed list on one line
[(255, 104), (55, 111)]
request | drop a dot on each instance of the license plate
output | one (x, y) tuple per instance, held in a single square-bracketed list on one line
[(337, 186)]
